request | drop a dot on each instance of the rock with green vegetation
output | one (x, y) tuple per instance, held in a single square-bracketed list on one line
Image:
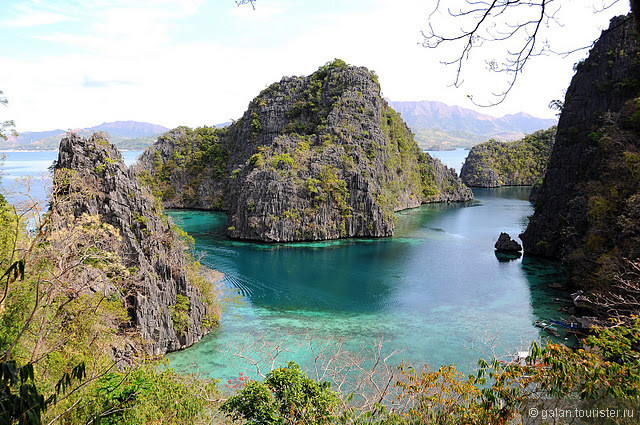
[(587, 208), (519, 163), (168, 302), (188, 168), (312, 158)]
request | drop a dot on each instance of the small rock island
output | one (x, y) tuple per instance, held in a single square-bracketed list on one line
[(313, 158)]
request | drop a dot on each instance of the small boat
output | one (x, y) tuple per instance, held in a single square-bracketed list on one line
[(564, 324), (580, 300), (547, 327)]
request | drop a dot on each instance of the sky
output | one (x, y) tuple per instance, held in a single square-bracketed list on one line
[(78, 63)]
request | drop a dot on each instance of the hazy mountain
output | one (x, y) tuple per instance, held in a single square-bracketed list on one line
[(123, 134), (130, 129), (33, 136), (441, 126), (435, 124)]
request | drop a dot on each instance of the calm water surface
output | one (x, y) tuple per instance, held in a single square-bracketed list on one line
[(453, 159), (433, 290)]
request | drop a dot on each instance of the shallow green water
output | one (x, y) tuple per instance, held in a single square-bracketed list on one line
[(432, 290)]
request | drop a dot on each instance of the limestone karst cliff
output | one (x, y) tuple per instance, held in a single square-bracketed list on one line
[(518, 163), (587, 209), (312, 158), (164, 305)]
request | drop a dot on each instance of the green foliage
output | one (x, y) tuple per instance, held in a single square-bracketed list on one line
[(144, 395), (256, 125), (287, 395), (20, 398), (180, 314), (598, 208), (632, 161), (257, 160), (410, 164), (282, 161), (195, 151), (521, 162), (336, 188)]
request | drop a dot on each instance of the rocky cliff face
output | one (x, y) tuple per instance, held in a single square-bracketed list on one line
[(519, 163), (163, 305), (587, 207), (316, 157)]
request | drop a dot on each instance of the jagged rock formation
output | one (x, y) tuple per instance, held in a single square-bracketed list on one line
[(587, 209), (519, 163), (163, 305), (316, 157), (506, 244)]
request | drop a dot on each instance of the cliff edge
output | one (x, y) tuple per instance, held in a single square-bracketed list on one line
[(166, 301), (587, 207)]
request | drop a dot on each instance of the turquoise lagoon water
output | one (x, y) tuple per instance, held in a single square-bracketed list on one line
[(434, 291)]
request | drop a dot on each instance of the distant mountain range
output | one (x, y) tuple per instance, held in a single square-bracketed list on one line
[(440, 126), (437, 126), (124, 134)]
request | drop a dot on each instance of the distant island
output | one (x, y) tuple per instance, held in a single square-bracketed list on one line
[(519, 163)]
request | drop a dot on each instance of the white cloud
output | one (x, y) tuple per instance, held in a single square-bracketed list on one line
[(36, 19), (127, 66)]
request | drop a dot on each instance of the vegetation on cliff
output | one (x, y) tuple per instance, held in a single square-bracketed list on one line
[(316, 157), (182, 159), (519, 163), (164, 286), (70, 350), (587, 207)]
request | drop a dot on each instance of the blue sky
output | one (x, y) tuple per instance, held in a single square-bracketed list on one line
[(77, 63)]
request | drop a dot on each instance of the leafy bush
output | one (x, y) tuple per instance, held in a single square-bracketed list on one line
[(287, 395)]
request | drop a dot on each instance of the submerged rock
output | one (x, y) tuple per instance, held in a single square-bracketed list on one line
[(90, 178), (313, 158), (506, 244)]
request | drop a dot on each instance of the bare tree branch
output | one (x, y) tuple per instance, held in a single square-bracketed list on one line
[(519, 25)]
